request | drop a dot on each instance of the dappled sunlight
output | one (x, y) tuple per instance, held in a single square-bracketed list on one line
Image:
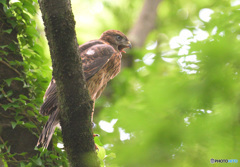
[(205, 14), (123, 134), (152, 45), (235, 2), (148, 58), (60, 145), (185, 61), (108, 126)]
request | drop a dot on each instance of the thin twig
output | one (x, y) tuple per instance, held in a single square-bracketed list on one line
[(5, 116), (9, 66), (28, 117), (7, 148), (6, 96)]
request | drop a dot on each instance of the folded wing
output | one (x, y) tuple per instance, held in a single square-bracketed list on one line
[(94, 55)]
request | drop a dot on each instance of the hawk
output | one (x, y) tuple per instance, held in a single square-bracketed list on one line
[(101, 61)]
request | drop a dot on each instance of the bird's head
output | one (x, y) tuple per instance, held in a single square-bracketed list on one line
[(116, 39)]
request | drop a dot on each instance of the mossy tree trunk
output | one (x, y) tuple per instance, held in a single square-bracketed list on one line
[(75, 102)]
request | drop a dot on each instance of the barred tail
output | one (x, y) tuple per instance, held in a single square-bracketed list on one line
[(48, 130)]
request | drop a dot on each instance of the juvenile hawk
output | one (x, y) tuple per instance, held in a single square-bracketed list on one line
[(101, 60)]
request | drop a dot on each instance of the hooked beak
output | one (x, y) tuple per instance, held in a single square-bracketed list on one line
[(129, 45)]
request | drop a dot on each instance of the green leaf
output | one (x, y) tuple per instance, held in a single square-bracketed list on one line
[(32, 32), (26, 17), (29, 7), (97, 141), (14, 124), (9, 93), (101, 153), (23, 97), (18, 117), (12, 47), (29, 164), (111, 155), (12, 155), (23, 153), (15, 105), (38, 49), (4, 162), (53, 156), (8, 31), (26, 52), (30, 125), (3, 52), (12, 22), (3, 1), (8, 81), (30, 113), (9, 148), (6, 106), (1, 146), (31, 105), (22, 164), (37, 161), (3, 46)]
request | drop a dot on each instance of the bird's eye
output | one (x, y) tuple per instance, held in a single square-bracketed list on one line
[(119, 38)]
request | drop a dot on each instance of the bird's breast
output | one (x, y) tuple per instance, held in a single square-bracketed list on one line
[(101, 78)]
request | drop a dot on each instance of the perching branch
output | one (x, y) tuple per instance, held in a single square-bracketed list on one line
[(73, 97)]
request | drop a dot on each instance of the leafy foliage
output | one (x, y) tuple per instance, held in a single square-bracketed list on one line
[(21, 15), (182, 112), (178, 104)]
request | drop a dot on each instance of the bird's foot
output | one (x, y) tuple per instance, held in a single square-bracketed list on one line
[(96, 135)]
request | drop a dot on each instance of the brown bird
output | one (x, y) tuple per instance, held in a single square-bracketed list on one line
[(101, 60)]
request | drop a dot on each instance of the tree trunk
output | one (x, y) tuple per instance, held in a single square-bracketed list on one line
[(140, 30), (19, 139), (145, 23), (74, 100)]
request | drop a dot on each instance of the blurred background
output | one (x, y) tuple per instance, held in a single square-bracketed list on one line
[(176, 101)]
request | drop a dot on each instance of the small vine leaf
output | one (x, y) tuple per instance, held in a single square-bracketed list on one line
[(8, 31), (14, 124), (101, 153), (6, 106)]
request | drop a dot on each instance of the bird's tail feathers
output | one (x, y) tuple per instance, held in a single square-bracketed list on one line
[(48, 130)]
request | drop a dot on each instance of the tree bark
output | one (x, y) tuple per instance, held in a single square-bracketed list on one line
[(74, 100)]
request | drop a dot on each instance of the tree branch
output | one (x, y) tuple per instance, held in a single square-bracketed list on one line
[(6, 148), (9, 66), (73, 97), (145, 23)]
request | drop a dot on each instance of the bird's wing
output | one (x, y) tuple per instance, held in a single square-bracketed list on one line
[(94, 58), (94, 55), (50, 99)]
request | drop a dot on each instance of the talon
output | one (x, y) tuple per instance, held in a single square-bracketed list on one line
[(96, 147), (96, 135)]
